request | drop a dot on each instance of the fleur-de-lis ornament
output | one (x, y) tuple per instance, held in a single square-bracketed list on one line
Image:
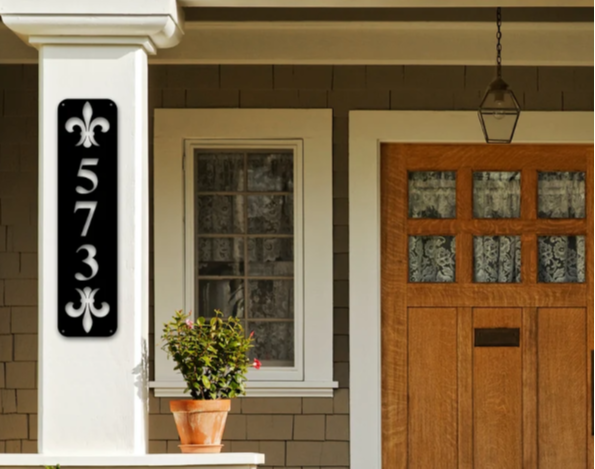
[(87, 126), (87, 309)]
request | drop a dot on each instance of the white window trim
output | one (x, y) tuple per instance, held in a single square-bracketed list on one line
[(309, 134), (368, 129)]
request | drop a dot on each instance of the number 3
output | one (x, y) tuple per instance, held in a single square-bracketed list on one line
[(90, 261)]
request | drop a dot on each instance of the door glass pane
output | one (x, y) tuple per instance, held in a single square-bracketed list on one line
[(497, 194), (562, 195), (432, 259), (271, 299), (562, 259), (432, 194), (273, 342), (220, 214), (219, 172), (497, 259), (224, 295), (270, 172), (270, 257), (220, 256), (270, 214)]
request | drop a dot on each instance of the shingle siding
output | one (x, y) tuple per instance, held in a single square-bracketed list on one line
[(18, 258), (293, 433)]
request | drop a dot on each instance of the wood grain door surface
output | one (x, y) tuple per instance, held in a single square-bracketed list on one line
[(480, 372)]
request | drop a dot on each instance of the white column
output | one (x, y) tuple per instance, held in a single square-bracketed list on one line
[(93, 392)]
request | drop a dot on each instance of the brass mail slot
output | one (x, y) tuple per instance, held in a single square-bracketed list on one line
[(498, 337)]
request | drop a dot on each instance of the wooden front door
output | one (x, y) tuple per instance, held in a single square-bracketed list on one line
[(487, 303)]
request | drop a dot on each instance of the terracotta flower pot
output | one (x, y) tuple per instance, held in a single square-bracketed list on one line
[(200, 424)]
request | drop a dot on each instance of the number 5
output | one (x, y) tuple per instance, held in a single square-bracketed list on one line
[(88, 174), (91, 206)]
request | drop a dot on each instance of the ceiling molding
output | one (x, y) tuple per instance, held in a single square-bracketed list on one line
[(362, 43), (509, 15), (385, 3)]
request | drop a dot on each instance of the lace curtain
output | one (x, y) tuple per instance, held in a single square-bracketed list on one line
[(562, 259), (562, 195), (432, 195), (432, 259), (497, 259), (244, 225), (497, 194)]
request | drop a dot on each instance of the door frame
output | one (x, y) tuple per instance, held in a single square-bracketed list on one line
[(367, 131)]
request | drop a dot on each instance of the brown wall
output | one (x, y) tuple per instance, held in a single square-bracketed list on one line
[(308, 433)]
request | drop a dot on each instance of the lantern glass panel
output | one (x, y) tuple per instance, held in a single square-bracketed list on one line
[(499, 114)]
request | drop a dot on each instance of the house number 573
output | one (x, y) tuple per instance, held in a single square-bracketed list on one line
[(87, 218)]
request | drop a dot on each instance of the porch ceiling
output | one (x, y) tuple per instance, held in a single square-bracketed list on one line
[(386, 3), (362, 43)]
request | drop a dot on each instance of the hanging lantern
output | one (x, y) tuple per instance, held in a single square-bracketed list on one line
[(499, 111)]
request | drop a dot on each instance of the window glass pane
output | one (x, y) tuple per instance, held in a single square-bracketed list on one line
[(270, 172), (432, 194), (273, 342), (270, 214), (497, 195), (562, 259), (497, 259), (224, 295), (270, 256), (220, 256), (432, 259), (562, 195), (219, 172), (271, 299), (244, 228), (220, 214)]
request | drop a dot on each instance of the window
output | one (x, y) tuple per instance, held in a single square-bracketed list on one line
[(245, 203), (243, 224)]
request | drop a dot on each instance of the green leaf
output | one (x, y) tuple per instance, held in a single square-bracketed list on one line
[(206, 382)]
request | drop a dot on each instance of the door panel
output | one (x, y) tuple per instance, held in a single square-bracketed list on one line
[(498, 399), (487, 321), (529, 341), (562, 388), (433, 388)]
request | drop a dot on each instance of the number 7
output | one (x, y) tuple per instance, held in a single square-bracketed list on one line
[(91, 206)]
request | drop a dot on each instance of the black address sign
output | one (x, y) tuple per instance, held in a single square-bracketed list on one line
[(87, 218)]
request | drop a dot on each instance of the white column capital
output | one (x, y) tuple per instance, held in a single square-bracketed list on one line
[(151, 24)]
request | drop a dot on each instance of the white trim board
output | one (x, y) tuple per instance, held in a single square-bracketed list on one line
[(367, 130), (305, 130), (258, 389), (361, 43)]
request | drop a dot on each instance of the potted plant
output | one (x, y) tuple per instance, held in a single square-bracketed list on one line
[(212, 356)]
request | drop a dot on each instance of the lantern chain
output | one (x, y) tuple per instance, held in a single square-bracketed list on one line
[(499, 37)]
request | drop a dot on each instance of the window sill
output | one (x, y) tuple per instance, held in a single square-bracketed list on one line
[(258, 389), (226, 460)]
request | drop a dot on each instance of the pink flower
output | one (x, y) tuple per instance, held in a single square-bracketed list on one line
[(257, 364), (190, 323), (252, 335)]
